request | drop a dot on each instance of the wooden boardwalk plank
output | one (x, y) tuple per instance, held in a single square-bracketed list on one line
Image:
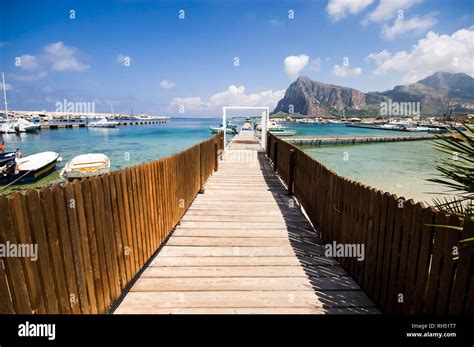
[(236, 299), (244, 284)]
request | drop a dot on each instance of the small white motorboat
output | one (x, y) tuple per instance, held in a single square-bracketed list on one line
[(23, 126), (271, 125), (216, 130), (7, 128), (30, 168), (86, 165), (283, 132), (103, 123), (421, 128)]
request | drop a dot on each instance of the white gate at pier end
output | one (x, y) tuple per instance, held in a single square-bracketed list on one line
[(263, 121)]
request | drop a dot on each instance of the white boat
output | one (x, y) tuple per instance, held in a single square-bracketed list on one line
[(216, 130), (246, 127), (7, 128), (422, 128), (30, 168), (271, 125), (335, 121), (86, 165), (23, 126), (283, 132), (103, 123)]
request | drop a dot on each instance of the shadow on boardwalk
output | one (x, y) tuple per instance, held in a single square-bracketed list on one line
[(335, 289)]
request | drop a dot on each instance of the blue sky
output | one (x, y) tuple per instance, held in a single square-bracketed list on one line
[(188, 64)]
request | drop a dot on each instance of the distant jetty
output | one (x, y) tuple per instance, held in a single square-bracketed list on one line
[(69, 120), (351, 140), (69, 125), (52, 116)]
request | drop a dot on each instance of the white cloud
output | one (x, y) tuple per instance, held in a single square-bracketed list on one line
[(379, 57), (28, 62), (338, 9), (233, 96), (28, 78), (192, 103), (63, 58), (433, 53), (314, 65), (412, 25), (167, 84), (388, 9), (294, 64), (346, 71)]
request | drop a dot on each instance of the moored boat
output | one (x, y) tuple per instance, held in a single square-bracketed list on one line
[(30, 168), (7, 128), (103, 123), (216, 130), (23, 126), (86, 165), (274, 126), (283, 132), (7, 157)]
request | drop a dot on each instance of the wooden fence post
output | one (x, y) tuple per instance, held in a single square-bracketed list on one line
[(201, 178), (216, 156), (275, 155), (268, 145), (291, 174)]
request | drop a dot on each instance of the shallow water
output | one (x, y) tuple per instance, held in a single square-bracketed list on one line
[(396, 167)]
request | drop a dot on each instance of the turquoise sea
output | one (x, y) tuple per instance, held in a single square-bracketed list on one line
[(125, 145), (395, 167)]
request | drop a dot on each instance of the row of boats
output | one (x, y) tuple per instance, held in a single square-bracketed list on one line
[(407, 125), (20, 125), (272, 127), (319, 120), (16, 168)]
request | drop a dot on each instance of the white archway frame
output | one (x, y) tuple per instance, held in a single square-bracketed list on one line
[(263, 122)]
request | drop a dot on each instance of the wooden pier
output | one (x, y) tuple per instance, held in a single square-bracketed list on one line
[(352, 140), (244, 246), (70, 125)]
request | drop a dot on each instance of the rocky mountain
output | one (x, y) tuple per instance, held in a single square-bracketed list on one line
[(313, 98), (316, 99), (432, 90)]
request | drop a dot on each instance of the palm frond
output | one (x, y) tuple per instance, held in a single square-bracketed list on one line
[(456, 172)]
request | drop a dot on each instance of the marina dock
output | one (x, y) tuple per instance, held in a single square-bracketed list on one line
[(351, 140), (70, 125)]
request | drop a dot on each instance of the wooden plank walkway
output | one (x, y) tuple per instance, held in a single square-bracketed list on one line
[(244, 247)]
